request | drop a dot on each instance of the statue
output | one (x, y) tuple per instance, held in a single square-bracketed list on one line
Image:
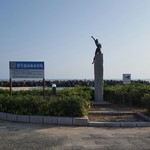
[(98, 49), (98, 72)]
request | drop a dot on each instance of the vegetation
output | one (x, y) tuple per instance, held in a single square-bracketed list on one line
[(137, 95), (146, 101), (72, 102), (68, 102)]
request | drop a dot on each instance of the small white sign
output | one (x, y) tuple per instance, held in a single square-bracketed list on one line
[(126, 78)]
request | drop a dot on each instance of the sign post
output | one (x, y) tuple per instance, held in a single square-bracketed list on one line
[(26, 69), (10, 83), (126, 80), (43, 88)]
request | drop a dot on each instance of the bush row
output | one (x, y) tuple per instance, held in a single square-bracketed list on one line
[(72, 101), (68, 102), (126, 94)]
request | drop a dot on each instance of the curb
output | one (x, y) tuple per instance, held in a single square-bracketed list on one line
[(145, 123), (119, 124), (75, 121)]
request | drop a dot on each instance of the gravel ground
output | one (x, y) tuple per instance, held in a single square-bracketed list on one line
[(19, 136), (115, 107), (114, 118)]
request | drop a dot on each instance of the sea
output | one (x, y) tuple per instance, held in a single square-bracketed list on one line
[(31, 79), (35, 79), (58, 88)]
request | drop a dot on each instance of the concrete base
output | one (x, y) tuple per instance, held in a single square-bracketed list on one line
[(98, 77)]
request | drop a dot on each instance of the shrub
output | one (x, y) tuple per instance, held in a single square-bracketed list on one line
[(69, 106), (85, 94), (146, 101), (69, 102), (20, 104), (4, 92), (126, 94)]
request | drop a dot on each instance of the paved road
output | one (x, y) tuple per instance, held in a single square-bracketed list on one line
[(19, 136)]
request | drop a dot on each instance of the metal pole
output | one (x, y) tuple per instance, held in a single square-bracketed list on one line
[(43, 88), (10, 83)]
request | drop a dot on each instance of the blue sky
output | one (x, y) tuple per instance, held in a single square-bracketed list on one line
[(58, 32)]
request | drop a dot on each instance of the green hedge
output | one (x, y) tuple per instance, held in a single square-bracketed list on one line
[(146, 101), (68, 102), (128, 94)]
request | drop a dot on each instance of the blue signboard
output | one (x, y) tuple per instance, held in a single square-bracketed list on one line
[(26, 65), (26, 69)]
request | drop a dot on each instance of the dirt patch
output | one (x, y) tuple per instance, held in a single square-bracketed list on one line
[(133, 117), (114, 118), (116, 107)]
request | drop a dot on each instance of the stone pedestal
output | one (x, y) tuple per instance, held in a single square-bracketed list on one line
[(98, 75)]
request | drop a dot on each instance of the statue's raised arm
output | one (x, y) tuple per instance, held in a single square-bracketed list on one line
[(98, 45), (93, 38)]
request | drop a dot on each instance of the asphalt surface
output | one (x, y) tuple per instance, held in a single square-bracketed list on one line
[(25, 136)]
